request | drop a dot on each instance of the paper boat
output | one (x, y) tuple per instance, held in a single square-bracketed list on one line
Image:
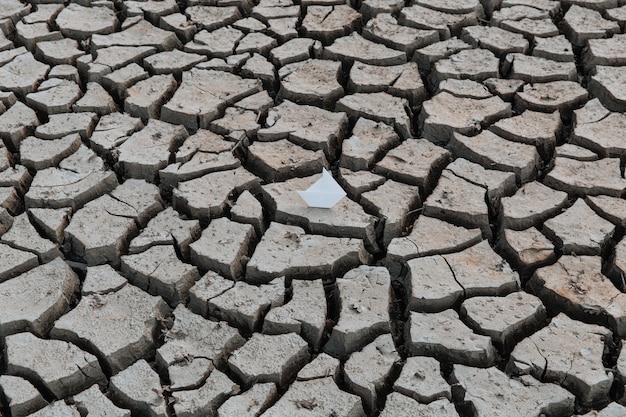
[(324, 193)]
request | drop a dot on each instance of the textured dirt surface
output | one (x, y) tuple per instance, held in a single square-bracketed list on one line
[(156, 259)]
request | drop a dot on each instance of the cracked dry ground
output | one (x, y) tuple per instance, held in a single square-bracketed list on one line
[(156, 260)]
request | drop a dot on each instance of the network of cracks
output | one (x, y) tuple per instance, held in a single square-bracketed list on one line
[(156, 259)]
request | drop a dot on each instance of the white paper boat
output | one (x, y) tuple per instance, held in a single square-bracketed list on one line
[(324, 193)]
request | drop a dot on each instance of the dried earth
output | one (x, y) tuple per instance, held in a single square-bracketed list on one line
[(157, 261)]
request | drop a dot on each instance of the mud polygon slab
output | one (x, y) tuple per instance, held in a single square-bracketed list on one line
[(35, 299), (608, 85), (356, 183), (151, 10), (200, 162), (421, 380), (582, 178), (533, 128), (481, 271), (445, 337), (159, 272), (167, 228), (397, 404), (119, 325), (567, 352), (611, 208), (205, 400), (371, 8), (178, 23), (431, 284), (414, 162), (458, 201), (557, 48), (23, 235), (149, 150), (145, 97), (209, 286), (61, 367), (531, 205), (367, 370), (523, 396), (294, 50), (22, 74), (431, 236), (498, 184), (96, 403), (430, 54), (249, 403), (102, 280), (243, 305), (16, 123), (322, 396), (313, 82), (212, 17), (112, 130), (64, 124), (582, 24), (384, 28), (270, 358), (381, 107), (531, 28), (222, 246), (398, 80), (498, 41), (174, 61), (394, 202), (574, 237), (39, 154), (219, 43), (138, 387), (364, 294), (57, 187), (80, 22), (256, 42), (356, 48), (447, 24), (609, 52), (193, 338), (305, 260), (527, 249), (563, 96), (64, 51), (15, 262), (577, 286), (464, 88), (505, 319), (105, 245), (139, 34), (304, 313), (533, 69), (472, 64), (310, 127), (327, 23), (494, 152), (444, 114), (369, 141), (270, 160), (207, 196), (96, 100)]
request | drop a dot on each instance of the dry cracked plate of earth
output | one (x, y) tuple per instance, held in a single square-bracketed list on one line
[(156, 259)]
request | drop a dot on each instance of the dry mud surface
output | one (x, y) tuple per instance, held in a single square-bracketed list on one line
[(156, 259)]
